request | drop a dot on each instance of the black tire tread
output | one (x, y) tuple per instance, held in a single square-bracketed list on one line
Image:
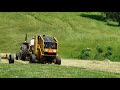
[(32, 58), (24, 52), (11, 58), (58, 60)]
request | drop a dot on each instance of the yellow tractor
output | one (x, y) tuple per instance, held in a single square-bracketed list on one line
[(41, 49)]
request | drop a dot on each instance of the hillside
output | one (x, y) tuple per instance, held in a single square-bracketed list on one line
[(73, 30)]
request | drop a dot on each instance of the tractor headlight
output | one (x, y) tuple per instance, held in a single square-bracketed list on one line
[(50, 50), (54, 51)]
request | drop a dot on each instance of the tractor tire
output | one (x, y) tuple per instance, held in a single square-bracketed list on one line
[(17, 56), (24, 52), (58, 60), (32, 58), (11, 58)]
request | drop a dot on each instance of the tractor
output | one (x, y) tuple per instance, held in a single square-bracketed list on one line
[(41, 49), (24, 51)]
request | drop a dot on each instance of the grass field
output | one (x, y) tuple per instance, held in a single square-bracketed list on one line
[(74, 31), (68, 69), (50, 71)]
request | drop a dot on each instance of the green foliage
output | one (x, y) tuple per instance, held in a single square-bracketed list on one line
[(115, 16), (99, 52), (109, 52), (103, 54), (85, 53), (99, 49)]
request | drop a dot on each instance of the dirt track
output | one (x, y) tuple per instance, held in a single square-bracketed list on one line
[(105, 65)]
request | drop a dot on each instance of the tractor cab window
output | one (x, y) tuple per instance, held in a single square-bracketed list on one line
[(45, 45), (50, 45)]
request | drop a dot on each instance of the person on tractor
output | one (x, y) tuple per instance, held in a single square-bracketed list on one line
[(32, 45)]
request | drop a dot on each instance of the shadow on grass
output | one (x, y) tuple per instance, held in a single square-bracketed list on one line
[(99, 18), (96, 17), (115, 25)]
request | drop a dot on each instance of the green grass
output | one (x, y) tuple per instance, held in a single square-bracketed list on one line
[(50, 71), (73, 31)]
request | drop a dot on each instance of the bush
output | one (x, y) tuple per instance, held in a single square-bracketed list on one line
[(85, 53), (109, 52), (99, 52)]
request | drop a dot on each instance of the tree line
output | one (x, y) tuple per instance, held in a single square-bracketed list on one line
[(114, 16)]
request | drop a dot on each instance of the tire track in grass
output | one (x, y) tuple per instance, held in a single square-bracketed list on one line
[(105, 65)]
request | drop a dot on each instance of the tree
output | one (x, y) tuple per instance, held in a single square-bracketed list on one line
[(115, 16)]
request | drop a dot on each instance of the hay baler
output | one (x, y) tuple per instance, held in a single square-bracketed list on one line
[(45, 50)]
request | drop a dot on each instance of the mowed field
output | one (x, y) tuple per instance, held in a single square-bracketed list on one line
[(69, 68), (105, 65)]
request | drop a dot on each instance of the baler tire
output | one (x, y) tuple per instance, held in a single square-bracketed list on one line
[(32, 58), (58, 60)]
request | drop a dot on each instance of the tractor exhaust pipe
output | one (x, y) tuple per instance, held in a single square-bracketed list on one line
[(26, 38)]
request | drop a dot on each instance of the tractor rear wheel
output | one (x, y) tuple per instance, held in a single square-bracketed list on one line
[(24, 52), (11, 58), (32, 58), (58, 60)]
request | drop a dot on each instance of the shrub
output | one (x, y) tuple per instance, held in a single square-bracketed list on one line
[(85, 53), (109, 52), (99, 51)]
